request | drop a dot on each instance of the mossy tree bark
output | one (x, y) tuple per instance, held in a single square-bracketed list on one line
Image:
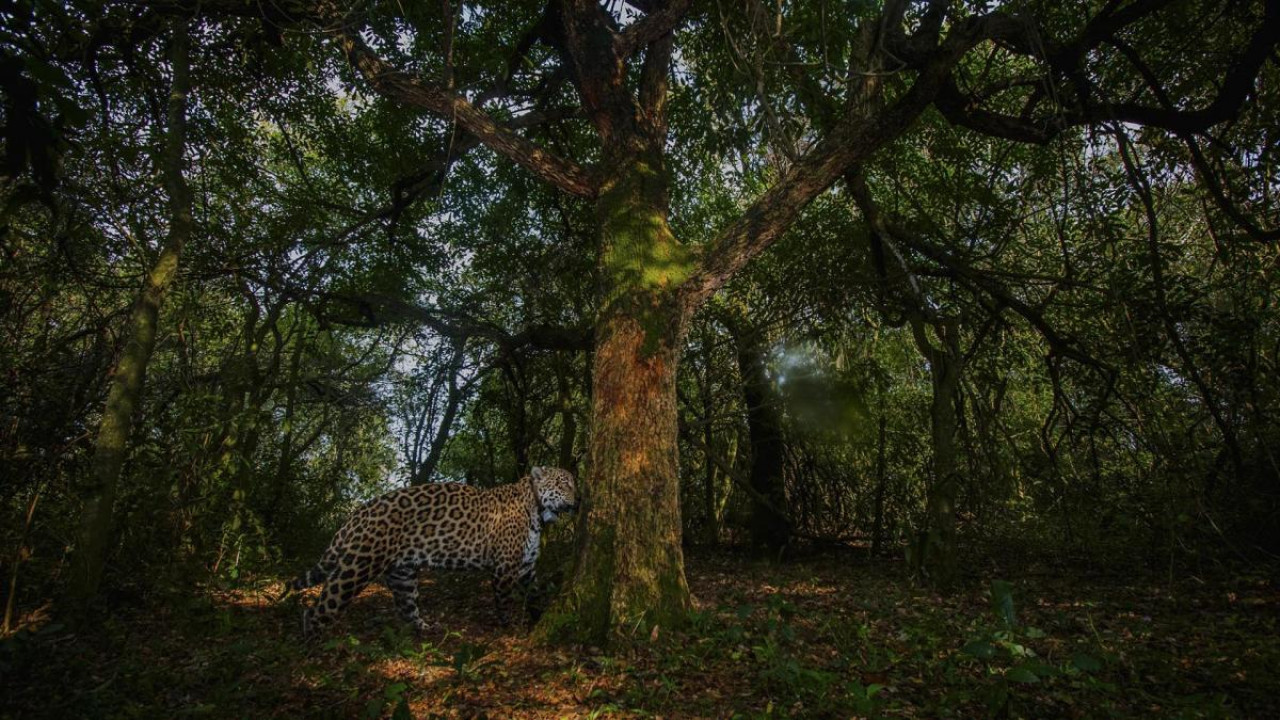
[(629, 575), (630, 571), (113, 441)]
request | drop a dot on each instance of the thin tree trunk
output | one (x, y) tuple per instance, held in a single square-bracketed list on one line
[(452, 402), (568, 423), (769, 528), (281, 479), (127, 382), (877, 528), (248, 433), (234, 396), (712, 530), (11, 600), (936, 547), (1143, 190), (290, 405), (517, 415)]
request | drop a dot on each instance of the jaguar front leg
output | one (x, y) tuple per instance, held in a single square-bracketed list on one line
[(530, 598), (510, 583)]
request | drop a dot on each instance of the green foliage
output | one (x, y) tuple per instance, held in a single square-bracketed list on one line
[(780, 670), (1009, 661), (393, 696)]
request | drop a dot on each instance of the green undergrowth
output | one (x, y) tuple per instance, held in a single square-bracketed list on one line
[(820, 637)]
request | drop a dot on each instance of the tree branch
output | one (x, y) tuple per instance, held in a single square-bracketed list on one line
[(854, 139), (1067, 61), (654, 81), (661, 20), (974, 280), (413, 92), (378, 309)]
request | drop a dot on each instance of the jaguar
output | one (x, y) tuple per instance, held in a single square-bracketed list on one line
[(438, 525)]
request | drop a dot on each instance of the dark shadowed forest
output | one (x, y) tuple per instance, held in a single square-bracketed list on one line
[(913, 358)]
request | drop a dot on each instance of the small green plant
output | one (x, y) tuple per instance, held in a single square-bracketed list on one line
[(780, 669), (863, 698), (604, 711), (393, 695), (1007, 657), (424, 654), (342, 641), (469, 660)]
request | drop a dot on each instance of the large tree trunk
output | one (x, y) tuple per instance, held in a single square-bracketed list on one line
[(629, 575), (125, 394)]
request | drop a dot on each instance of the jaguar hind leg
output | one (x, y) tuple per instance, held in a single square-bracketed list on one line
[(317, 574), (403, 582), (340, 588)]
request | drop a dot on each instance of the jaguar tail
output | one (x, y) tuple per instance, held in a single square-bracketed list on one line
[(310, 578), (315, 576)]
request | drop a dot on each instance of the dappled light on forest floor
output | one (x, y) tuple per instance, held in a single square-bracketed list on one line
[(818, 637)]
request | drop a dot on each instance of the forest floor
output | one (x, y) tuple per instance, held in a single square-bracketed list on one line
[(826, 636)]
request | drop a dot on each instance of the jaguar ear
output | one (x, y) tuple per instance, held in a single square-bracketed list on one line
[(537, 472)]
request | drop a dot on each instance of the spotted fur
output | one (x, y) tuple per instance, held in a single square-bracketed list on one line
[(438, 525)]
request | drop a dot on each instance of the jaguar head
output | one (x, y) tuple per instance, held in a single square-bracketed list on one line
[(556, 491)]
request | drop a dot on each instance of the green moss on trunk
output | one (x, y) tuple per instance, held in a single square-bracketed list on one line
[(629, 575), (127, 380), (641, 260)]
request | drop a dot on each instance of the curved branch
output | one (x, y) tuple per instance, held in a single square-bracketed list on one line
[(1067, 61), (411, 91), (962, 110), (854, 139), (975, 281)]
